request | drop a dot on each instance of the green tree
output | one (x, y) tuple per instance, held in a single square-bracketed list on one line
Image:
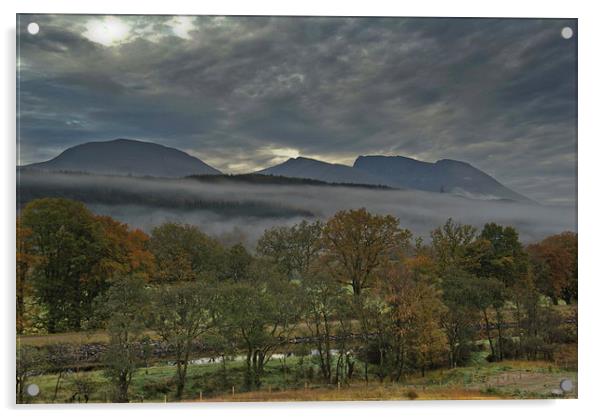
[(504, 258), (26, 261), (77, 255), (460, 317), (261, 316), (457, 251), (292, 248), (125, 311), (503, 265), (324, 301), (182, 315), (237, 263), (30, 361), (68, 243), (451, 243)]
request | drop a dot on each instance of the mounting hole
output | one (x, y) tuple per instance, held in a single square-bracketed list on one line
[(33, 389), (566, 32), (33, 28), (566, 385)]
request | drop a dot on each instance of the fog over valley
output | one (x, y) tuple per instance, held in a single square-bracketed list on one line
[(237, 211)]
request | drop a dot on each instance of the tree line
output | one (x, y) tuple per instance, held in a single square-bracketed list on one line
[(374, 299)]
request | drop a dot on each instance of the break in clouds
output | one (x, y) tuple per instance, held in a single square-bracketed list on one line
[(240, 212), (244, 93)]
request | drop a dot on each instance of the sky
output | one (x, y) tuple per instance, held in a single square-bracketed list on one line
[(245, 93)]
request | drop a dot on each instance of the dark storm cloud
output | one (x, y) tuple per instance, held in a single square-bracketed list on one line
[(243, 93)]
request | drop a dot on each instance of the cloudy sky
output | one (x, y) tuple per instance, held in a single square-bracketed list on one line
[(244, 93)]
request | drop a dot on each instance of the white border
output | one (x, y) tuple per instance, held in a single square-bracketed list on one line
[(590, 181)]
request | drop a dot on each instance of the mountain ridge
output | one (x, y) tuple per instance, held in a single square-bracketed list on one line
[(131, 157)]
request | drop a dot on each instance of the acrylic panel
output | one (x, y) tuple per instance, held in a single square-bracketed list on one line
[(231, 208)]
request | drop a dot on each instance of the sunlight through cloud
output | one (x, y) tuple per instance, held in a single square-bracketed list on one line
[(108, 31)]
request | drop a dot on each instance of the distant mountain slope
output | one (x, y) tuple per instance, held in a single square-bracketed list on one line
[(126, 157), (446, 176), (308, 168)]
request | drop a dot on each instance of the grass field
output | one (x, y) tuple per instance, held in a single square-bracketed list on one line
[(481, 380)]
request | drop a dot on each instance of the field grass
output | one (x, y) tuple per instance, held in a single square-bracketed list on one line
[(480, 380), (75, 338), (357, 392)]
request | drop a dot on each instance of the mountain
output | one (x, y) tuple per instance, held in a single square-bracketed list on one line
[(308, 168), (444, 176), (126, 157)]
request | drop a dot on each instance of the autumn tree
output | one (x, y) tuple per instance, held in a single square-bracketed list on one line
[(555, 266), (427, 339), (181, 316), (358, 245), (126, 251), (184, 253)]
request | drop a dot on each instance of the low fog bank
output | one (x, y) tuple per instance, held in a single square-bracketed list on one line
[(236, 212)]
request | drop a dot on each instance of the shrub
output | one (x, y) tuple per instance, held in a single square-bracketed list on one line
[(411, 394), (156, 388)]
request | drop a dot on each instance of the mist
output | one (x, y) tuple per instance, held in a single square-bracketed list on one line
[(240, 212)]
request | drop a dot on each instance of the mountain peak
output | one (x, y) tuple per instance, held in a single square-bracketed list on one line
[(447, 161), (309, 168), (123, 156), (444, 176)]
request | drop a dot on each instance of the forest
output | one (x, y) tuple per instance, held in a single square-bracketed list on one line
[(110, 313)]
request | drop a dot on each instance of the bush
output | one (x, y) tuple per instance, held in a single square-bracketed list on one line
[(217, 382), (534, 348), (82, 388), (411, 394), (156, 388), (510, 349)]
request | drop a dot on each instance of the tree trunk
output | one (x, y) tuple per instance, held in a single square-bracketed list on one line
[(20, 381), (489, 334), (500, 324), (182, 371), (122, 388), (20, 311), (248, 374), (56, 387)]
